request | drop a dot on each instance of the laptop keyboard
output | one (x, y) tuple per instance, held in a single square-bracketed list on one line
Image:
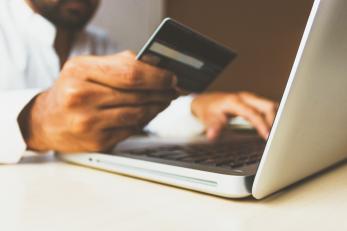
[(223, 155)]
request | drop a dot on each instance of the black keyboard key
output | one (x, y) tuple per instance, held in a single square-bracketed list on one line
[(192, 159), (223, 155), (176, 155), (159, 154)]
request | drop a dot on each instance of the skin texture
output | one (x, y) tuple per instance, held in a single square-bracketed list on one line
[(215, 109), (97, 102)]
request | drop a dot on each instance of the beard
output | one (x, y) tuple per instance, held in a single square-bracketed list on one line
[(67, 14)]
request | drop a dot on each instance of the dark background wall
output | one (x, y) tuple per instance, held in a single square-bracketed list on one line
[(265, 34)]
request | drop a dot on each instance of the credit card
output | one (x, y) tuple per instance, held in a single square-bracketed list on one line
[(195, 59)]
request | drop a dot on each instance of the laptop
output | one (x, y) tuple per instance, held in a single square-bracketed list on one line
[(308, 135)]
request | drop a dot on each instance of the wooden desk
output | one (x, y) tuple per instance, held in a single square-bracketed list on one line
[(42, 193)]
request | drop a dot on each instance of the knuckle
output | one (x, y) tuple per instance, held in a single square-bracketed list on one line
[(133, 78), (75, 67), (73, 63), (83, 123), (73, 96), (234, 98)]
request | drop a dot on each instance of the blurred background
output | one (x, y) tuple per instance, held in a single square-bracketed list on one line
[(265, 34)]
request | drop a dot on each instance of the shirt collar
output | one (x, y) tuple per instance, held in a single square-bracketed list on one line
[(32, 23)]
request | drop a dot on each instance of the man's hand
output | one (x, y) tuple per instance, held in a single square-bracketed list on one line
[(96, 102), (215, 110)]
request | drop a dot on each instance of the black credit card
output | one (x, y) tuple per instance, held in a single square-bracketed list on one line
[(195, 59)]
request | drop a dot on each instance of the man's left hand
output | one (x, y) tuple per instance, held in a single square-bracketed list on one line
[(215, 110)]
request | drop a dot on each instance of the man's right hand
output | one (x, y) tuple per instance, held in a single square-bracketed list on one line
[(96, 102)]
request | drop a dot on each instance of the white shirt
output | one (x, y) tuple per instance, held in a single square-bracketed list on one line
[(29, 64)]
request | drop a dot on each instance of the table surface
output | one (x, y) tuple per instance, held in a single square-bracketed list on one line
[(43, 193)]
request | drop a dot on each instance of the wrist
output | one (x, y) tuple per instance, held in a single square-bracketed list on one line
[(30, 122)]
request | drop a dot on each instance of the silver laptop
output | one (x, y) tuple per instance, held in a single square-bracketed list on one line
[(309, 133)]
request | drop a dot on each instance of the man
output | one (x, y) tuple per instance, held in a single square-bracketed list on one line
[(58, 92)]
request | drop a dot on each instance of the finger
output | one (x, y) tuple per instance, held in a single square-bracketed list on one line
[(215, 125), (122, 71), (106, 141), (145, 76), (117, 135), (128, 116), (105, 97), (239, 108), (214, 131), (265, 106)]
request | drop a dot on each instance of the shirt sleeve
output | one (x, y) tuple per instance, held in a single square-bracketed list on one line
[(177, 121), (12, 102)]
